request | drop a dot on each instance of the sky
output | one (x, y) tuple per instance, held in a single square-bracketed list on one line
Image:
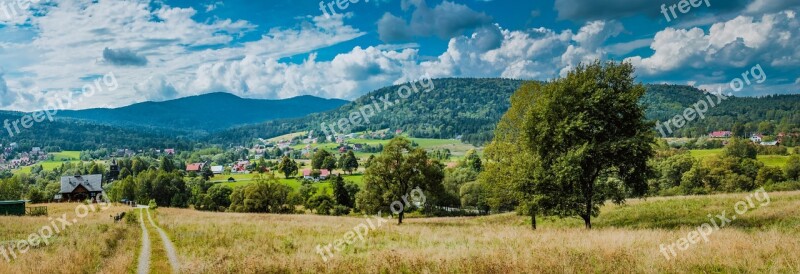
[(273, 49)]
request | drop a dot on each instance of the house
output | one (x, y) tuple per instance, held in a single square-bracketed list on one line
[(324, 174), (773, 143), (756, 138), (307, 174), (240, 167), (81, 188), (196, 167), (169, 151), (720, 134), (358, 147), (217, 169), (36, 150)]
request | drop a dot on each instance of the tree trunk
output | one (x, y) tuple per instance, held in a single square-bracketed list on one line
[(587, 219), (400, 218)]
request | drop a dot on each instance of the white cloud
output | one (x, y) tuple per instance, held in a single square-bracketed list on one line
[(72, 38), (739, 42)]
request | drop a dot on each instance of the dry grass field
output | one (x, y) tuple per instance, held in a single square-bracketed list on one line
[(626, 239), (93, 244)]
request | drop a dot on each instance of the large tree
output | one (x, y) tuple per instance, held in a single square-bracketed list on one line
[(583, 140), (396, 172)]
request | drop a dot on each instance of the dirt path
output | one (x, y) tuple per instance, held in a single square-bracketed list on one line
[(172, 254), (144, 254)]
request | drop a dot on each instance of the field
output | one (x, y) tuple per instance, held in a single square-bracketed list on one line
[(625, 239), (768, 160), (93, 244), (58, 159)]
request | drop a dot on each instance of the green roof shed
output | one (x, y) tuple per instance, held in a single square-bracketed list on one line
[(12, 208)]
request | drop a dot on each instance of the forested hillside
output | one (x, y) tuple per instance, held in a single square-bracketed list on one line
[(742, 115), (69, 134), (469, 108), (472, 107)]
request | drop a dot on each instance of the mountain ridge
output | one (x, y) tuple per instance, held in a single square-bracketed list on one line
[(204, 113)]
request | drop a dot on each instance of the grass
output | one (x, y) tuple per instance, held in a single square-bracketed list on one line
[(94, 244), (626, 239), (66, 156), (768, 160), (58, 159)]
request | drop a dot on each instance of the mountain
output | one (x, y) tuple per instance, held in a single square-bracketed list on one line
[(471, 108), (205, 113), (453, 107)]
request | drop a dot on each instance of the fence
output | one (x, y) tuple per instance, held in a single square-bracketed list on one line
[(36, 211)]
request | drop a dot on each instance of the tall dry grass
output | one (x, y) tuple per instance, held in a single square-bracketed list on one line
[(95, 244), (252, 243)]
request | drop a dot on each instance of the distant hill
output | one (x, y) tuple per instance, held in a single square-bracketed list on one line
[(207, 113), (465, 107), (471, 108)]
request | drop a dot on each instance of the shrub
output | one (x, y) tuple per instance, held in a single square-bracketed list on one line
[(130, 218), (340, 210), (153, 204)]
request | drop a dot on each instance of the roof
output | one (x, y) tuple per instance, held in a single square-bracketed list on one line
[(92, 183), (307, 172), (11, 202), (324, 172), (194, 167), (217, 168)]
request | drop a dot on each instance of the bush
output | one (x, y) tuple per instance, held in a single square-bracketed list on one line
[(130, 218), (785, 186), (36, 196), (153, 204), (340, 210)]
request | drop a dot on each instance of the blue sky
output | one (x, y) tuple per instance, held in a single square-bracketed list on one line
[(161, 50)]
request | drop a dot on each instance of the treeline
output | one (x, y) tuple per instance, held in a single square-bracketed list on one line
[(736, 169)]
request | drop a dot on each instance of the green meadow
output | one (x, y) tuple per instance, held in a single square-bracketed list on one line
[(768, 160)]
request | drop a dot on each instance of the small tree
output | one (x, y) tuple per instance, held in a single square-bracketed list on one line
[(792, 167), (340, 193), (287, 166), (350, 162)]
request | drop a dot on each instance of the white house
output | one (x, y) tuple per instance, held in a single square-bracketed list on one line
[(217, 169), (756, 138)]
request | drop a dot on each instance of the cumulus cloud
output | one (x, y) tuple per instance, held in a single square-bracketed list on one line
[(151, 40), (123, 57), (156, 88), (744, 40), (445, 20)]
